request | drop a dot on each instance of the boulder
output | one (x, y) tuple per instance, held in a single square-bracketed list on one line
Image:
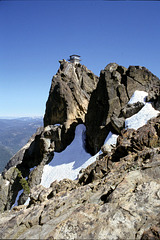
[(106, 148), (130, 109), (133, 141), (118, 123)]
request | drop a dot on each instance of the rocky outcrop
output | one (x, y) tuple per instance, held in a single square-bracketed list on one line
[(30, 161), (9, 180), (133, 141), (69, 94), (116, 197), (66, 107), (115, 87)]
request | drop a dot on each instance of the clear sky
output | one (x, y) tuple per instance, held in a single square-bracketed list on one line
[(34, 35)]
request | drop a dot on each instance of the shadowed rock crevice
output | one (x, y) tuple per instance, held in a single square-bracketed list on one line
[(105, 198), (96, 120)]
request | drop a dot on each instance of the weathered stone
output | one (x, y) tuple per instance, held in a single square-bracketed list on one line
[(39, 194), (117, 123), (154, 97), (35, 154), (133, 141), (105, 100), (132, 109), (108, 98), (94, 171), (115, 87), (106, 148), (4, 190), (35, 176), (18, 157), (69, 94)]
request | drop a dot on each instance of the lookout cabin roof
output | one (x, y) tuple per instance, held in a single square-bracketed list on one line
[(75, 55), (74, 58)]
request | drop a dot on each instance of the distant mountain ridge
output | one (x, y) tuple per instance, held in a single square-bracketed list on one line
[(14, 134)]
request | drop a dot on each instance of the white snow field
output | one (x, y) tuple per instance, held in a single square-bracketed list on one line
[(68, 163), (138, 96), (147, 112), (111, 138)]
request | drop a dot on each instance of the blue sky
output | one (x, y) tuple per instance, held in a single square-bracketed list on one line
[(34, 35)]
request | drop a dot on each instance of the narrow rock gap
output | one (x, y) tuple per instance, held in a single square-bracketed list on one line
[(124, 82), (118, 94), (141, 226), (40, 218), (138, 82), (126, 211), (105, 198), (77, 75)]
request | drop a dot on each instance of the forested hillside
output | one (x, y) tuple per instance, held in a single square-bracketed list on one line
[(14, 133)]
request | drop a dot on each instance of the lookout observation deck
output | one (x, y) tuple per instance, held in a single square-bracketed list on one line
[(74, 58)]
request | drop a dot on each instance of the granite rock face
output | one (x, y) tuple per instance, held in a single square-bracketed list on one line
[(69, 94), (116, 197), (108, 101)]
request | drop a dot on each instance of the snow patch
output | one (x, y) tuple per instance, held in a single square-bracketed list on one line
[(111, 139), (138, 96), (146, 113), (27, 201), (140, 119), (68, 163)]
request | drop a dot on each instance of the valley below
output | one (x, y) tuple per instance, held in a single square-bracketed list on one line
[(14, 134)]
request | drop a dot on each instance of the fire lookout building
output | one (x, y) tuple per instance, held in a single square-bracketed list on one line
[(74, 58)]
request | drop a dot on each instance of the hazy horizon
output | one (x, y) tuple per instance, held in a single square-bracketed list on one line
[(15, 117)]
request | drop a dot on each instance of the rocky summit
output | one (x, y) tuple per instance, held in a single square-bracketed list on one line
[(117, 196)]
